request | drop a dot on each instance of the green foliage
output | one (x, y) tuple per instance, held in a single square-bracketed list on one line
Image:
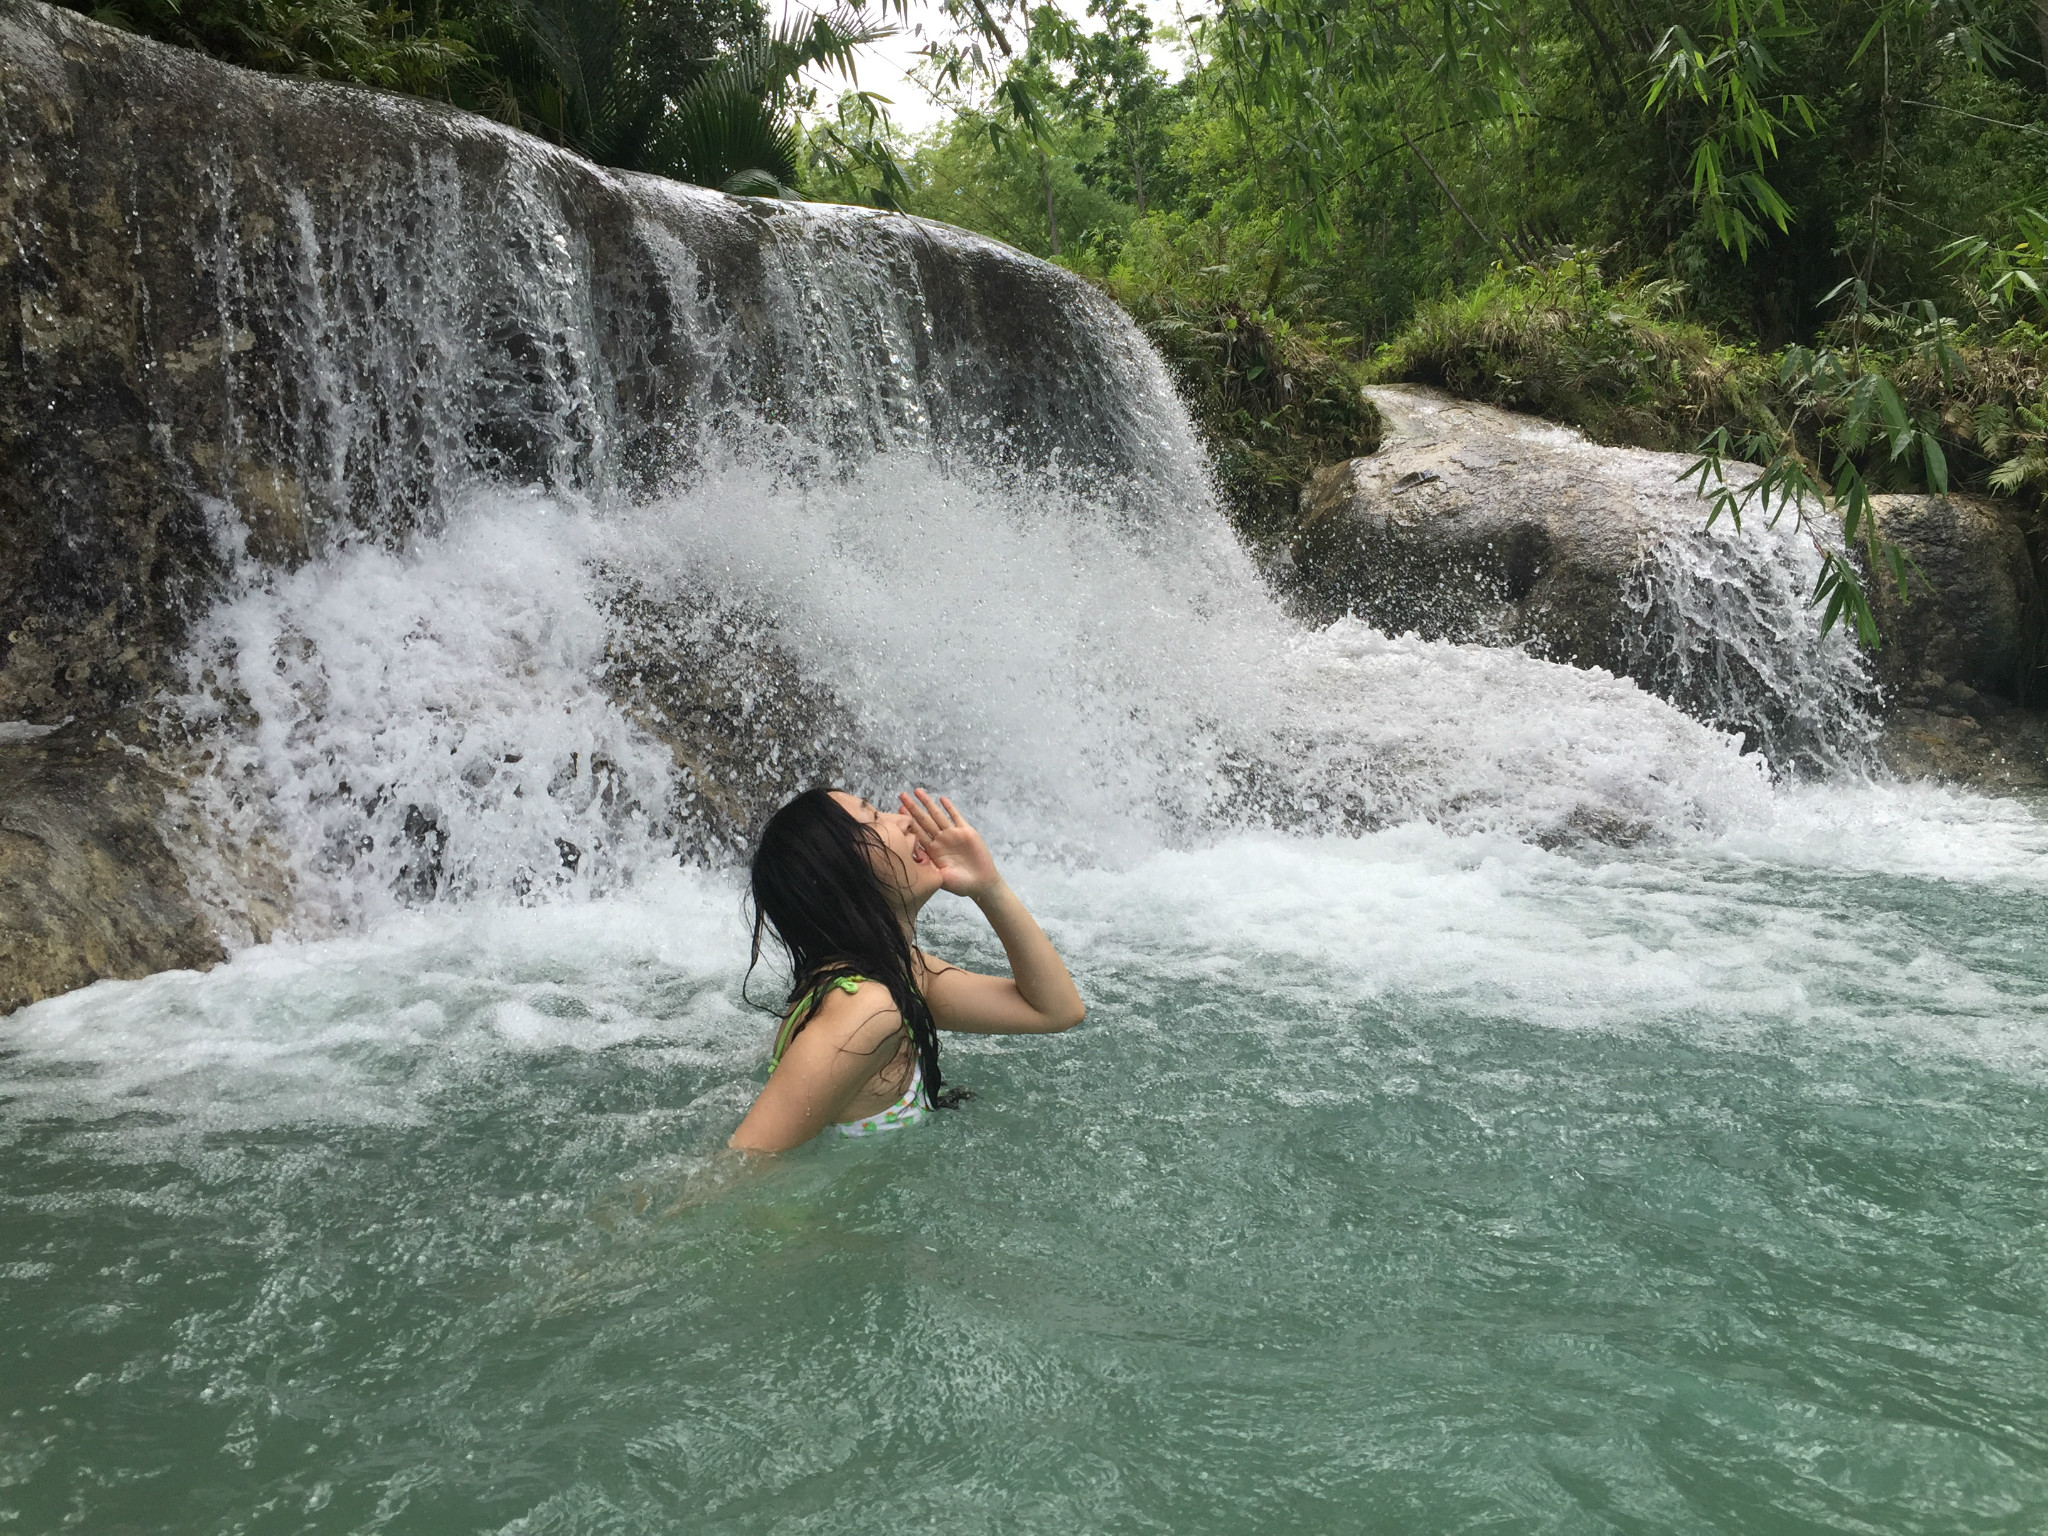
[(1728, 74), (1026, 184), (1756, 150), (2007, 275), (1844, 406), (851, 157), (1058, 153), (2022, 433), (322, 39)]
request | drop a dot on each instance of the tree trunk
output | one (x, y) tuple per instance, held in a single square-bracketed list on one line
[(1445, 188), (1138, 166)]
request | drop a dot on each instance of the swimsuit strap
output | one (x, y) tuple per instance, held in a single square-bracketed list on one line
[(798, 1014)]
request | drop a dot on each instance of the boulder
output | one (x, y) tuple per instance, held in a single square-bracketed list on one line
[(1972, 614), (1475, 524)]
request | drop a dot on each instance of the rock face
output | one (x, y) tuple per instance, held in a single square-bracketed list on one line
[(1963, 653), (246, 313), (249, 322), (88, 886), (1476, 525)]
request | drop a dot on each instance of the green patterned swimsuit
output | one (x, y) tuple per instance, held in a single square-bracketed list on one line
[(905, 1111)]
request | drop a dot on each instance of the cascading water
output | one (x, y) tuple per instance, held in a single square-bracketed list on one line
[(1501, 1104), (1724, 628), (1043, 610)]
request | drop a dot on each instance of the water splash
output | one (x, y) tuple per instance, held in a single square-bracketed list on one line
[(453, 718), (427, 723)]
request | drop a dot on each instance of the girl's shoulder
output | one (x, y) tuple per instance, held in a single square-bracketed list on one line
[(848, 1004), (930, 967), (839, 1013)]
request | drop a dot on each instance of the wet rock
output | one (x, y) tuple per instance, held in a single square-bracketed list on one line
[(1972, 615), (251, 318), (89, 886), (1963, 651), (718, 685), (1474, 524), (1990, 744)]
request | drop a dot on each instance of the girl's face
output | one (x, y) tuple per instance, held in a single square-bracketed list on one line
[(904, 868)]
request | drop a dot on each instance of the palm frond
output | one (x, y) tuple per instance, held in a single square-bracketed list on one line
[(723, 134)]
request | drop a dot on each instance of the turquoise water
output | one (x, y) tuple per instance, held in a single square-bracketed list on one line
[(1410, 1184)]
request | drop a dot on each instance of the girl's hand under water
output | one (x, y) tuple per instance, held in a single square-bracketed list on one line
[(956, 851)]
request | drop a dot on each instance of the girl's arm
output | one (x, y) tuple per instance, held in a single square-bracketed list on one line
[(1038, 997), (848, 1040)]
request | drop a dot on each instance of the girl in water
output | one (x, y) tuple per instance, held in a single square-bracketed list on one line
[(840, 884)]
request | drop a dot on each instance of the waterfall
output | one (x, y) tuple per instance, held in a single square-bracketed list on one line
[(530, 523), (619, 529)]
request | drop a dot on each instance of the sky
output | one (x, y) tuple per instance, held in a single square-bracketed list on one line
[(884, 67)]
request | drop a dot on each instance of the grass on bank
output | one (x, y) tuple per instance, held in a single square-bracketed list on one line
[(1617, 360)]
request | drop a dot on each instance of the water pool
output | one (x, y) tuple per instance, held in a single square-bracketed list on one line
[(1409, 1183)]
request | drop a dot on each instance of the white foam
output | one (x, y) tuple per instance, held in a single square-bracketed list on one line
[(1258, 932), (433, 723), (374, 1027), (1746, 949), (1102, 686), (429, 722)]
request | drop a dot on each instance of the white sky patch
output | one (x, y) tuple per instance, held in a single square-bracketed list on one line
[(885, 68)]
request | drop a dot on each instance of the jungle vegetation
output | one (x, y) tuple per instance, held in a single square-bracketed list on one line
[(705, 91)]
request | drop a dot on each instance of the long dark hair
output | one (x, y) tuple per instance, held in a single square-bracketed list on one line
[(814, 887)]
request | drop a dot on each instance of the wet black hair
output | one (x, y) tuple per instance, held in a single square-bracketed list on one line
[(813, 885)]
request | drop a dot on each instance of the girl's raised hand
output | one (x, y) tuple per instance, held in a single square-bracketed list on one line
[(965, 866)]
